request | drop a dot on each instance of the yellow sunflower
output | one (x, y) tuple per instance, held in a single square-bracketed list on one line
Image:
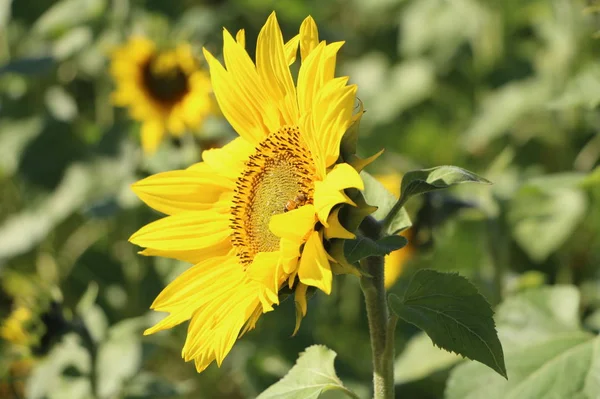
[(166, 90), (252, 217), (394, 262), (13, 329)]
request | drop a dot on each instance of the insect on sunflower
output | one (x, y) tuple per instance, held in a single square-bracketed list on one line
[(165, 89), (253, 215)]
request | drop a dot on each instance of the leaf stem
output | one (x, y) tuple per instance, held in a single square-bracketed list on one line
[(387, 221), (381, 327)]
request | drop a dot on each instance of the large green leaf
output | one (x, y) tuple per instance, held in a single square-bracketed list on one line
[(454, 315), (420, 358), (547, 353), (538, 314), (564, 367), (312, 375), (541, 220)]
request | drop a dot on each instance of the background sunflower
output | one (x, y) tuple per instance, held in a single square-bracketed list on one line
[(507, 89), (165, 89)]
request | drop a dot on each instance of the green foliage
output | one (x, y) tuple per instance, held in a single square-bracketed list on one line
[(423, 181), (547, 352), (511, 93), (420, 358), (312, 375), (454, 315)]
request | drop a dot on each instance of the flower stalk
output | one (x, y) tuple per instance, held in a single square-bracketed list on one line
[(381, 327)]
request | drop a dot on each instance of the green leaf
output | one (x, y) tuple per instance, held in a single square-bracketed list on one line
[(312, 375), (548, 355), (120, 356), (362, 247), (454, 315), (420, 358), (422, 181), (538, 314), (541, 220), (564, 367)]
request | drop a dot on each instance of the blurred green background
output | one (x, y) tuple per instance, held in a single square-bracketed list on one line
[(509, 89)]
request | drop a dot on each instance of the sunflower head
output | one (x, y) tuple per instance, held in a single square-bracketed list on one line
[(255, 216), (165, 89)]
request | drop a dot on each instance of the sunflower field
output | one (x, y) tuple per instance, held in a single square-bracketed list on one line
[(263, 199)]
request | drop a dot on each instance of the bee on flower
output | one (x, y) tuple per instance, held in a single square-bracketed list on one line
[(165, 89)]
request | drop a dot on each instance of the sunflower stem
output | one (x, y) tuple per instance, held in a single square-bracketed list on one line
[(381, 328)]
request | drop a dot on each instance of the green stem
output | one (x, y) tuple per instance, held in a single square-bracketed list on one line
[(380, 328)]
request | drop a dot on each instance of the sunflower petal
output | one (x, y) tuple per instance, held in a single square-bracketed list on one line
[(314, 267), (183, 232), (329, 193), (229, 160), (335, 228), (301, 305), (181, 190), (152, 133), (273, 69), (244, 120), (309, 37)]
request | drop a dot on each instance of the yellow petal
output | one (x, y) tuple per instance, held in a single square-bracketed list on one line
[(291, 49), (265, 270), (249, 88), (301, 305), (230, 159), (240, 37), (191, 256), (215, 327), (184, 232), (152, 133), (294, 225), (273, 69), (205, 282), (309, 37), (244, 120), (329, 193), (314, 267), (335, 228), (181, 190)]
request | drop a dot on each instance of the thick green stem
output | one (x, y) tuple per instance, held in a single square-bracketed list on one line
[(380, 328)]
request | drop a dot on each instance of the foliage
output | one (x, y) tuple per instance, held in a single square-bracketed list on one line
[(511, 92)]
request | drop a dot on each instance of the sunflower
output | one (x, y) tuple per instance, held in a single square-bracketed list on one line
[(164, 89), (395, 261), (13, 328), (253, 215)]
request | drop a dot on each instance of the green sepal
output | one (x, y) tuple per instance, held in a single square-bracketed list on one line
[(363, 247), (350, 217)]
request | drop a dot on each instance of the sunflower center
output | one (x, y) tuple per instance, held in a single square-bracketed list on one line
[(165, 81), (279, 177)]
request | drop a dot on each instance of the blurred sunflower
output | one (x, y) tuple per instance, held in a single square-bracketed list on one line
[(13, 328), (166, 90), (394, 262), (252, 216)]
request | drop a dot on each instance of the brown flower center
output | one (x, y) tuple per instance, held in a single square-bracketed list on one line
[(165, 84), (279, 177)]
